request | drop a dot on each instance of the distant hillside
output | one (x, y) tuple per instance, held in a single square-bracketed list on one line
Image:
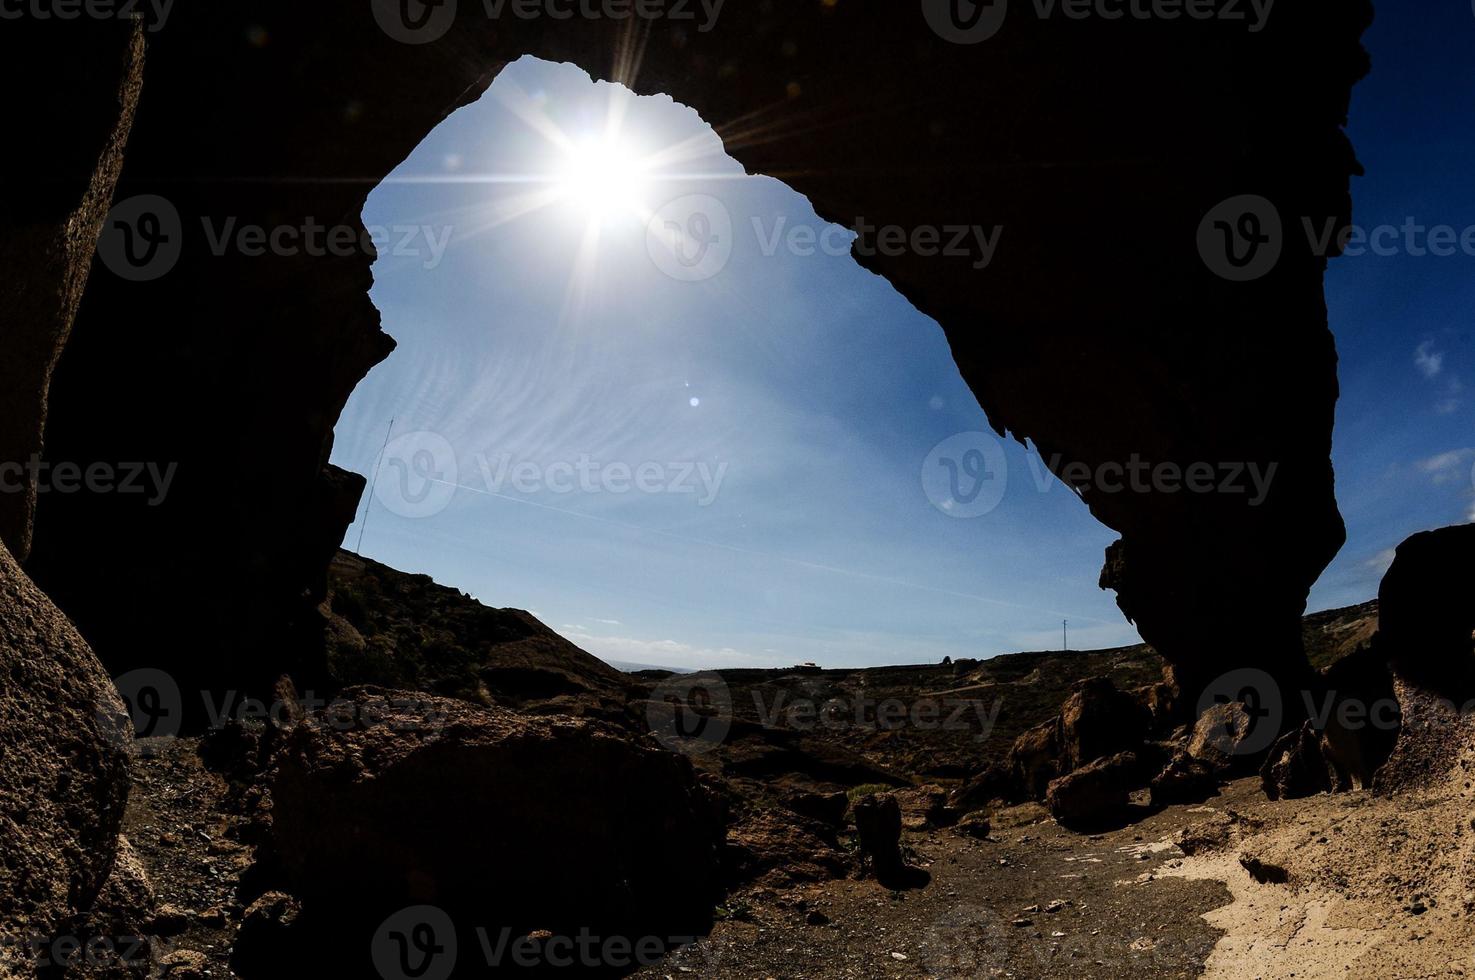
[(402, 630)]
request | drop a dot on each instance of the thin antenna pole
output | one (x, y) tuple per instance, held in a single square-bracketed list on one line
[(373, 482), (1064, 635)]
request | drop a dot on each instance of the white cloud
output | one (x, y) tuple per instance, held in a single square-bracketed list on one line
[(1446, 466), (1381, 562), (1428, 360), (665, 653)]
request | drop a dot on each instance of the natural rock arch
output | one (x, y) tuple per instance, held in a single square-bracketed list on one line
[(1098, 333)]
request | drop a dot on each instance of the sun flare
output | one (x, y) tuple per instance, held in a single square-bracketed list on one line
[(603, 177)]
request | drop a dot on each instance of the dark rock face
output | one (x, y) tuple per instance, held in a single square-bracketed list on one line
[(1427, 608), (1146, 356), (1298, 767), (51, 227), (1095, 794), (393, 799), (1098, 720), (1184, 780), (64, 738)]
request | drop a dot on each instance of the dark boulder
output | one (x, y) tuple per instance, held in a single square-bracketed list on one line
[(387, 799), (1298, 766), (1232, 737), (994, 783), (1184, 780), (1426, 609), (1034, 760), (878, 828), (1097, 793), (1098, 720)]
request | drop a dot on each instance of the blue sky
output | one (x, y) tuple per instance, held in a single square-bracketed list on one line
[(721, 464)]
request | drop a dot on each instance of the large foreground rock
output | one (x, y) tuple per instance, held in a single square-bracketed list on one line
[(1095, 794), (388, 799), (63, 762), (1426, 609)]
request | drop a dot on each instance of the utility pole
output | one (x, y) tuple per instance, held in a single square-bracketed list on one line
[(373, 482), (1064, 635)]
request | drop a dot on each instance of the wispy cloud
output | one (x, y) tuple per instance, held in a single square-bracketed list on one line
[(1381, 562), (1447, 466), (1428, 360), (665, 653)]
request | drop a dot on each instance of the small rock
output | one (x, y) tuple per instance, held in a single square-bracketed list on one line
[(168, 920), (184, 964), (816, 918), (1021, 923)]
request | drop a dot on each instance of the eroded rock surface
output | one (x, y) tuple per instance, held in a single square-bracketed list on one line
[(64, 739)]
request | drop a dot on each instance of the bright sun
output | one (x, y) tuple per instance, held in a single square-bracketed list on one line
[(603, 176)]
